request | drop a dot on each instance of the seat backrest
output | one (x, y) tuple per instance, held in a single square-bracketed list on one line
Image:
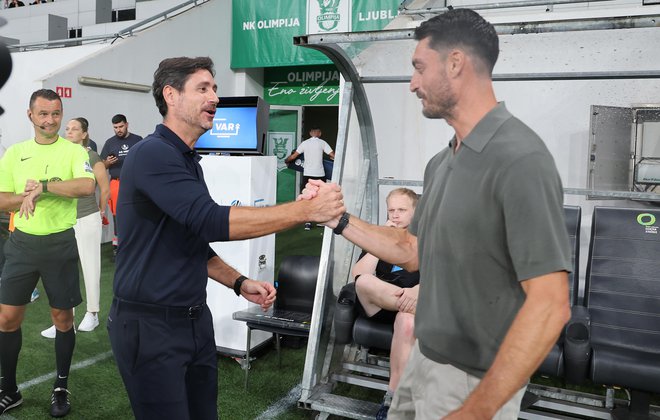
[(622, 288), (573, 219), (296, 283)]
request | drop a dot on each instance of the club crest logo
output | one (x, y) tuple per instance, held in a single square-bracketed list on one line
[(328, 16)]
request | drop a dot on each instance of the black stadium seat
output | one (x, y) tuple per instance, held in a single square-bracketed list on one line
[(553, 364), (622, 294), (349, 327)]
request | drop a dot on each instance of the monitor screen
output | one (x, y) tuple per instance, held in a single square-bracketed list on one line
[(234, 130)]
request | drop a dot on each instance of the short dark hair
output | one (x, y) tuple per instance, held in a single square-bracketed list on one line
[(119, 118), (175, 72), (462, 28), (47, 94)]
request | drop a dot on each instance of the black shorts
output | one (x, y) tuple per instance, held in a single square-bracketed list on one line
[(383, 316), (53, 257)]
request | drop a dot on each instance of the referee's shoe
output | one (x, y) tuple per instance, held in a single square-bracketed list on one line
[(59, 402), (9, 400)]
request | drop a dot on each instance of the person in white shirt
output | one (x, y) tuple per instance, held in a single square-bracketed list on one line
[(313, 148)]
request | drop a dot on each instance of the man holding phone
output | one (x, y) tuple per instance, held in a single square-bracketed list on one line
[(113, 154)]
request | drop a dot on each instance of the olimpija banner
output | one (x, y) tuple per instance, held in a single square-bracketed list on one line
[(302, 85), (263, 30)]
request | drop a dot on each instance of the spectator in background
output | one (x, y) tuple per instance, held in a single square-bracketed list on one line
[(388, 294), (92, 145), (113, 154), (15, 3), (313, 148)]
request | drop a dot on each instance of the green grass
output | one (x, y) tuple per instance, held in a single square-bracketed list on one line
[(97, 391)]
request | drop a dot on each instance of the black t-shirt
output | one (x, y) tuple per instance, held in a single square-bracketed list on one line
[(394, 274)]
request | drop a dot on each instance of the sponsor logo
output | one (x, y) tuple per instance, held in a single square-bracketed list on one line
[(236, 203), (88, 167), (25, 158), (648, 221)]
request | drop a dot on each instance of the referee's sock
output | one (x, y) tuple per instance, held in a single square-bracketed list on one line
[(10, 346), (64, 344)]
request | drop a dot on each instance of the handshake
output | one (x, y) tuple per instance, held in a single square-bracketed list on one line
[(325, 202)]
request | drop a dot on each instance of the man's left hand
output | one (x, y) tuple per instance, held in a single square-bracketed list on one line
[(30, 185), (259, 292)]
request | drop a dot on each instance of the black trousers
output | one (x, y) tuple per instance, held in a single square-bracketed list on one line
[(167, 359)]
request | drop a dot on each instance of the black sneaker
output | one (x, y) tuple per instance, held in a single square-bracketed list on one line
[(9, 400), (308, 226), (59, 402)]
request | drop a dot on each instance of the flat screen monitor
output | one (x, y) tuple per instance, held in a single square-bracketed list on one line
[(239, 127)]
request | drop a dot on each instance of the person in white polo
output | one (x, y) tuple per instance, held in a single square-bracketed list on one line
[(313, 148)]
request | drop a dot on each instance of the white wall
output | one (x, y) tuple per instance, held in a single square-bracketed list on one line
[(557, 110), (29, 71), (201, 31)]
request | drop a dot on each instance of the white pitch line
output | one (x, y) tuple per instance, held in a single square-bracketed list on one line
[(282, 405), (43, 378), (85, 363)]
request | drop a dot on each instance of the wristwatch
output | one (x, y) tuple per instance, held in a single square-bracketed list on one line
[(238, 283), (44, 185), (343, 222)]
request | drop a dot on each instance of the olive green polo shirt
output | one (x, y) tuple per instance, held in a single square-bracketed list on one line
[(59, 161), (491, 216)]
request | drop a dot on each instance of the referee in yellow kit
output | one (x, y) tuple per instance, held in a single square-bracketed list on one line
[(40, 178)]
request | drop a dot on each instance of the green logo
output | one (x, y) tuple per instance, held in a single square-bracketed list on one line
[(646, 219), (280, 150), (328, 18)]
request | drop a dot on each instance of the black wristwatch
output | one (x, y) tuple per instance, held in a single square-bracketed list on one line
[(343, 222), (238, 283), (44, 185)]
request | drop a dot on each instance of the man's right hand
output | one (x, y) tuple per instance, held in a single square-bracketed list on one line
[(326, 204), (110, 160)]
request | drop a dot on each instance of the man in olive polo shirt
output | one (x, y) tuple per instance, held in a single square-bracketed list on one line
[(488, 238), (40, 179)]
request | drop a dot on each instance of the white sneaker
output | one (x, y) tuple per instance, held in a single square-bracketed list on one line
[(49, 332), (89, 322)]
